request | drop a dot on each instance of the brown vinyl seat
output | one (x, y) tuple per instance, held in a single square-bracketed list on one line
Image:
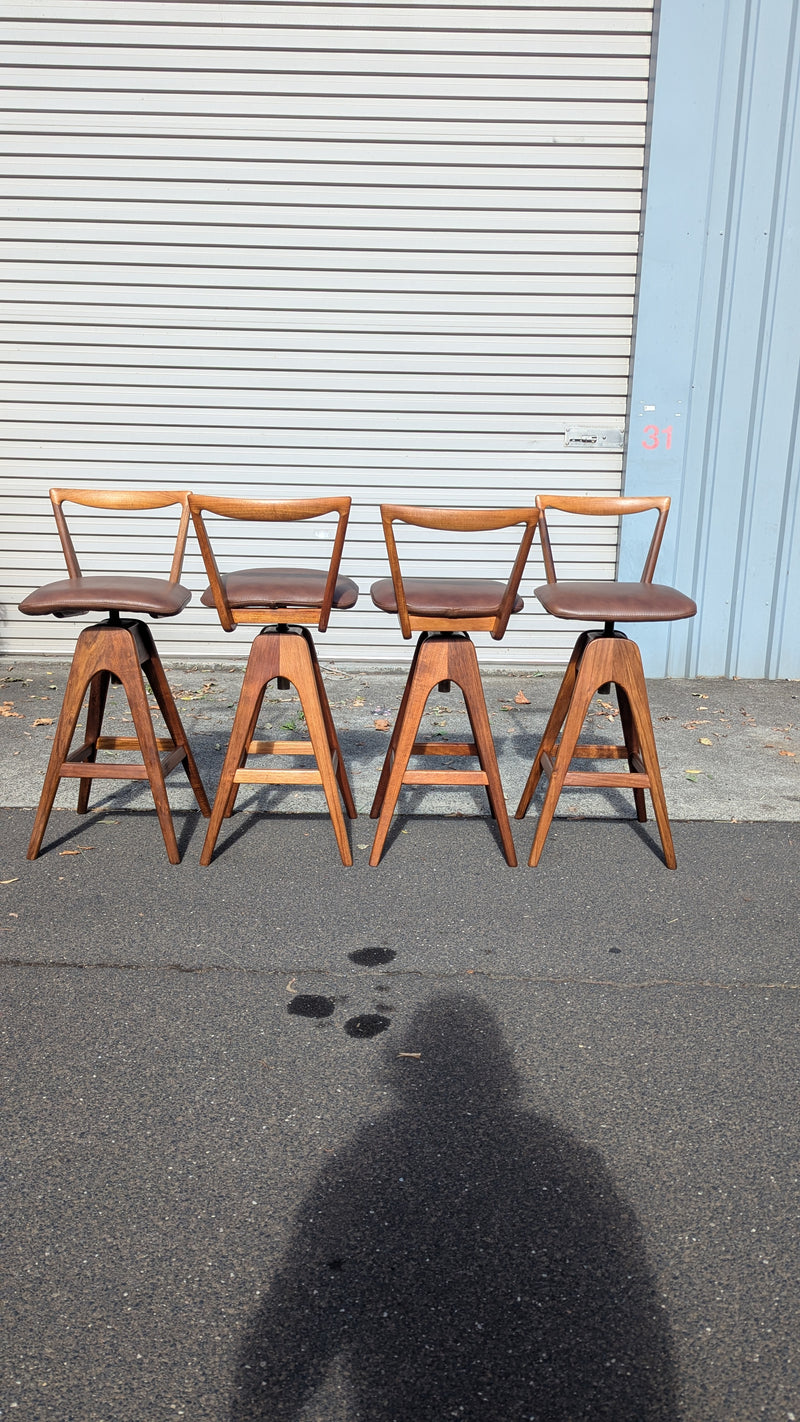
[(119, 648), (72, 597), (599, 659), (278, 597), (272, 588), (444, 611), (615, 602), (444, 597)]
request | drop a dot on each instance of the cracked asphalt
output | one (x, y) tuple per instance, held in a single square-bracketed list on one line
[(285, 1140)]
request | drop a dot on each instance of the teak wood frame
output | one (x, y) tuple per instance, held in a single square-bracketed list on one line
[(445, 653), (122, 650), (598, 660), (281, 652), (269, 511)]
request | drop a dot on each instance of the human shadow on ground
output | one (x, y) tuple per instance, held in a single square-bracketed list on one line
[(461, 1258)]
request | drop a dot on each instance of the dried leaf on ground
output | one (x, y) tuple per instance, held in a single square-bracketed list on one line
[(42, 721), (381, 725), (704, 741), (7, 710), (205, 690), (607, 712), (521, 699), (82, 849)]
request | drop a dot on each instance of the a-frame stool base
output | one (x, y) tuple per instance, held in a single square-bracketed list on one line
[(285, 653), (599, 658), (440, 657), (123, 650)]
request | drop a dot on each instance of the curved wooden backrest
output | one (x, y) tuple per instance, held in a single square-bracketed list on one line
[(603, 506), (459, 521), (268, 511), (121, 500)]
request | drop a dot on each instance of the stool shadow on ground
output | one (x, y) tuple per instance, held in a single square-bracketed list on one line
[(461, 1257), (407, 819), (65, 827)]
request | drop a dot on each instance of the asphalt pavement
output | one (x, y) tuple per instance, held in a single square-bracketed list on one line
[(441, 1139)]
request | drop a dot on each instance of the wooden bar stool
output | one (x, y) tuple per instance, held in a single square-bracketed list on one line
[(599, 659), (120, 649), (444, 611), (279, 597)]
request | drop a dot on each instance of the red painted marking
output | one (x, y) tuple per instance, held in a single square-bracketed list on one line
[(654, 437)]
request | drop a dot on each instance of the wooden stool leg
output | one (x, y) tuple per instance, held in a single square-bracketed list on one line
[(391, 752), (162, 692), (249, 737), (428, 669), (554, 724), (632, 747), (330, 729), (464, 671), (82, 670), (297, 663), (255, 713), (586, 683), (631, 677), (98, 693), (262, 665), (129, 670)]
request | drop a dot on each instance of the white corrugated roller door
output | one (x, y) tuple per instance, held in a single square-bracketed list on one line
[(279, 250)]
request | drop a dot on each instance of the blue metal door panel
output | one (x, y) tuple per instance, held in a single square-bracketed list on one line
[(715, 382)]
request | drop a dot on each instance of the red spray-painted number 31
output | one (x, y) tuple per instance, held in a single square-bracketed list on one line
[(655, 435)]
